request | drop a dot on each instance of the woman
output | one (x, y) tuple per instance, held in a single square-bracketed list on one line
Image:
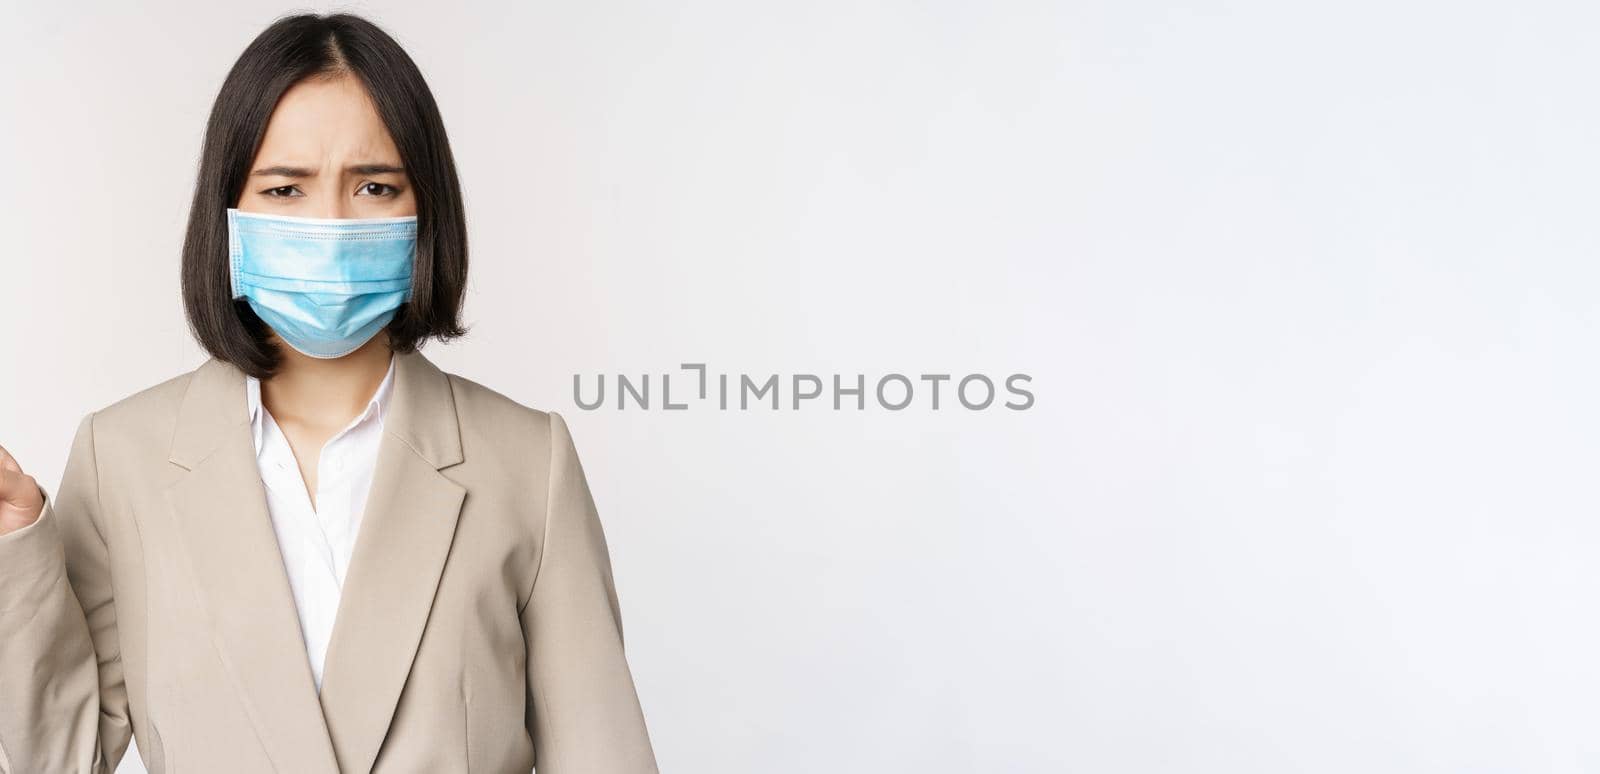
[(317, 552)]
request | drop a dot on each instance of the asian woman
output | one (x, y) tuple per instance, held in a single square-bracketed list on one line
[(316, 552)]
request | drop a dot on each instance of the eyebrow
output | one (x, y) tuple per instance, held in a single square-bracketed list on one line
[(358, 169)]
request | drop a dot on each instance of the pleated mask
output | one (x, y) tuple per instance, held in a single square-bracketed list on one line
[(326, 286)]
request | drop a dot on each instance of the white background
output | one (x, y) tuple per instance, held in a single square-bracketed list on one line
[(1307, 291)]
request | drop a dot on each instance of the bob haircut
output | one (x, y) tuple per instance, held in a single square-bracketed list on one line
[(292, 49)]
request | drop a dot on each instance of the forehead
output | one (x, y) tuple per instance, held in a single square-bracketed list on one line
[(326, 120)]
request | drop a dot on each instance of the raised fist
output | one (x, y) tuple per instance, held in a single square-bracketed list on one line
[(21, 501)]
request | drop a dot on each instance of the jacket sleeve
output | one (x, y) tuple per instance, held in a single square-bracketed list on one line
[(65, 706), (583, 712)]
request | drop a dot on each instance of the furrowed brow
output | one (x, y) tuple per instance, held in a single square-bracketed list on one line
[(284, 172), (374, 169)]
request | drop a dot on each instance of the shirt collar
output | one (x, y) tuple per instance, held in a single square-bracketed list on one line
[(377, 405)]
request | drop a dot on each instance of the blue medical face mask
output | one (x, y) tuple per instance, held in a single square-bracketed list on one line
[(326, 286)]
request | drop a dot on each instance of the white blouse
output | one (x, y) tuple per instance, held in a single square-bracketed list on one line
[(317, 543)]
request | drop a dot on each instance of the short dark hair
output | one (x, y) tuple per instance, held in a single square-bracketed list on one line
[(292, 49)]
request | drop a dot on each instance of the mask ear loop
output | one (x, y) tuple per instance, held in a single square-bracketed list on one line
[(411, 277), (235, 255)]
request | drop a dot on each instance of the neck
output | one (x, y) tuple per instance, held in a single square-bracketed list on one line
[(325, 392)]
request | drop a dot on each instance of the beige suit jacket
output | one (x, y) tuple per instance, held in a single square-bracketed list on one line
[(478, 631)]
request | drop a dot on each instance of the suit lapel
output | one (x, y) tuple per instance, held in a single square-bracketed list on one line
[(400, 552), (221, 514), (405, 535)]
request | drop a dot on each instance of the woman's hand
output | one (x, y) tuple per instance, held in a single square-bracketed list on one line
[(20, 499)]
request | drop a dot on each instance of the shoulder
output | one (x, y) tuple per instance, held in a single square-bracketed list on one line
[(478, 404), (488, 413), (517, 441), (148, 413)]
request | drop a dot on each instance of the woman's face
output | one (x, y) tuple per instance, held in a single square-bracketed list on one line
[(327, 154)]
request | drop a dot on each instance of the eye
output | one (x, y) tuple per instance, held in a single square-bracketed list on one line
[(282, 192), (377, 189)]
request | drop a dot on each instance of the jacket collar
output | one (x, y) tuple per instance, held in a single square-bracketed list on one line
[(220, 511), (217, 399), (375, 410)]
